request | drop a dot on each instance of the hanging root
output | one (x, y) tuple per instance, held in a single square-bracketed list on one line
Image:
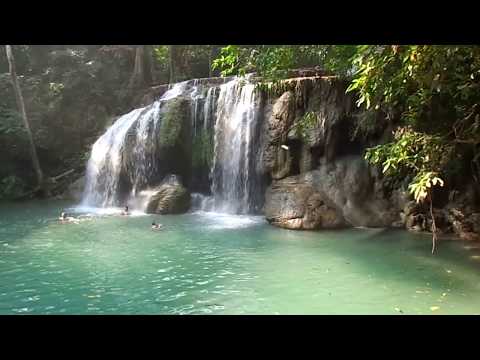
[(434, 226)]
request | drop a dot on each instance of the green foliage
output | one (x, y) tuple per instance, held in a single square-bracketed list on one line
[(56, 88), (417, 80), (308, 121), (161, 57), (339, 59), (229, 61), (275, 88), (413, 153), (190, 61), (161, 53), (422, 184), (432, 90), (273, 62)]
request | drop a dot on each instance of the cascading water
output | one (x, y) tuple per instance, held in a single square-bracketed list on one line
[(224, 121), (233, 173), (104, 176)]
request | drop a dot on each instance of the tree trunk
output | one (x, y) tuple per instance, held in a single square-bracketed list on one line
[(172, 50), (147, 65), (212, 56), (434, 225), (138, 75), (176, 63), (21, 107)]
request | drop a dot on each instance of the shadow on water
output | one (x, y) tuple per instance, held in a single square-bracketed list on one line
[(401, 255), (392, 254)]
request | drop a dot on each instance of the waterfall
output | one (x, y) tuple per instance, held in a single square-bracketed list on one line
[(209, 110), (135, 131), (124, 161), (233, 171)]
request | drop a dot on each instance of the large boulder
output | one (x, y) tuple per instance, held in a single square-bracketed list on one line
[(293, 204), (170, 197)]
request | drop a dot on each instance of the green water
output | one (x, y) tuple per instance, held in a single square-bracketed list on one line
[(217, 264)]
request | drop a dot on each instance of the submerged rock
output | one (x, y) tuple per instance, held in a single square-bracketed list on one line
[(170, 197)]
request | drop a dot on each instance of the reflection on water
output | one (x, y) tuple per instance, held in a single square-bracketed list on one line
[(210, 263)]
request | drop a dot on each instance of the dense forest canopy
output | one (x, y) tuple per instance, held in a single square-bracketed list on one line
[(427, 94)]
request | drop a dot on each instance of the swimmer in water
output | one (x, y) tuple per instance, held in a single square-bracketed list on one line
[(156, 226), (125, 211), (64, 218)]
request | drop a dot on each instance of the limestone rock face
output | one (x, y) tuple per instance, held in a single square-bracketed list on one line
[(170, 197), (75, 190), (342, 194), (275, 159), (449, 220), (465, 227), (293, 204)]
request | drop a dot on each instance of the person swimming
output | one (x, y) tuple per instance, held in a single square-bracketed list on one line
[(156, 226), (125, 211), (64, 218)]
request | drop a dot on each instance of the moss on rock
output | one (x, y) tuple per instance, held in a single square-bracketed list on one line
[(174, 128)]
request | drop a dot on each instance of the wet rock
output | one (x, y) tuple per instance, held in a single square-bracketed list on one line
[(170, 197), (75, 190), (475, 220), (349, 184), (276, 159), (293, 204), (456, 217), (466, 227), (417, 218), (416, 222), (320, 215), (334, 195), (412, 207), (469, 236)]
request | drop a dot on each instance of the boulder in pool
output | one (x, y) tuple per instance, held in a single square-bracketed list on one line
[(170, 197)]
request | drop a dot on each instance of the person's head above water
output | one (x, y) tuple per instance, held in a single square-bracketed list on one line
[(126, 208), (153, 223)]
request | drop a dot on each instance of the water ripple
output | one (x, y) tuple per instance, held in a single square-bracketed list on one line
[(114, 265)]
